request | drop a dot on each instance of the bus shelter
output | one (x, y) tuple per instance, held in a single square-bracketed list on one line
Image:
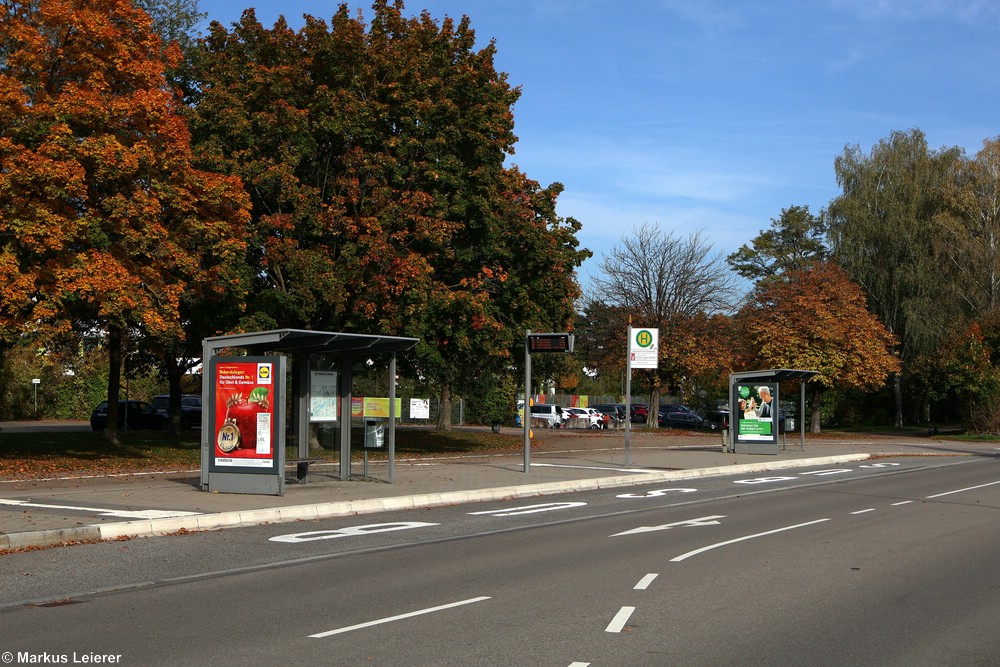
[(244, 389), (755, 419)]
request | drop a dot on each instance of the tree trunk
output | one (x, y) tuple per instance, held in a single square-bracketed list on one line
[(817, 392), (652, 417), (174, 375), (114, 381), (444, 414), (898, 390)]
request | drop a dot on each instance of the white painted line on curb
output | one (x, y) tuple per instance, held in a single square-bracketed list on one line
[(557, 465)]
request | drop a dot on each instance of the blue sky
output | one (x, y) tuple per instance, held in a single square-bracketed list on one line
[(715, 115)]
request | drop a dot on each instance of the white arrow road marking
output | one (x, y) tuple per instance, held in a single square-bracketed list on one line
[(119, 514), (742, 539), (400, 617), (353, 531), (531, 509), (654, 494), (703, 521), (762, 480), (620, 619), (822, 473)]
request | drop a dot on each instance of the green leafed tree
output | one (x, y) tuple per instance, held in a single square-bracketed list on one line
[(374, 157), (882, 230), (795, 240), (968, 245)]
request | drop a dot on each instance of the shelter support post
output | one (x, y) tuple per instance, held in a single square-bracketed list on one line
[(347, 381)]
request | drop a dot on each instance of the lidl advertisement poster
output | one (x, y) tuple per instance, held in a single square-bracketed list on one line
[(244, 414)]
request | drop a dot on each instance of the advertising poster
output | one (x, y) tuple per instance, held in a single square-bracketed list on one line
[(244, 414), (420, 408), (756, 413), (379, 407), (370, 406)]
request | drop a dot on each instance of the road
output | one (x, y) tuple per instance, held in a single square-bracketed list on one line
[(888, 563)]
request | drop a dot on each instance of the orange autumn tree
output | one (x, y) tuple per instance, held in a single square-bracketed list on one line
[(104, 224), (817, 319)]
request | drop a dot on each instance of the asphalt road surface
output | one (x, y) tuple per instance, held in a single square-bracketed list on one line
[(888, 563)]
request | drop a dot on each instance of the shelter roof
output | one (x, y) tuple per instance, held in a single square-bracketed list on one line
[(772, 375), (303, 340)]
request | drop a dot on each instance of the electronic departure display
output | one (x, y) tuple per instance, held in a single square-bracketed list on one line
[(550, 342)]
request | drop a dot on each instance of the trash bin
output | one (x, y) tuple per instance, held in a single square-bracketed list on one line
[(374, 434), (789, 424), (496, 425)]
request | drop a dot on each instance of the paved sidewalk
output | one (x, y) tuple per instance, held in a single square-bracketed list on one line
[(55, 511)]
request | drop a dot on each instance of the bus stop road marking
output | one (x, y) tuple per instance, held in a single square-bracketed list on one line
[(118, 514)]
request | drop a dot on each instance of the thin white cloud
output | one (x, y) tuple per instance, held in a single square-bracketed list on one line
[(975, 13)]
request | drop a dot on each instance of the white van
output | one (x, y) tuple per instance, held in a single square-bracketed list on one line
[(553, 414)]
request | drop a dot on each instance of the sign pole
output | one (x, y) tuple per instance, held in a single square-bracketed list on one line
[(628, 396), (643, 352)]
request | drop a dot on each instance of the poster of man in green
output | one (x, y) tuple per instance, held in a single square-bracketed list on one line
[(756, 412)]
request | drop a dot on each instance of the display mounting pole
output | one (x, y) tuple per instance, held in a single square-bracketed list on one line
[(526, 411)]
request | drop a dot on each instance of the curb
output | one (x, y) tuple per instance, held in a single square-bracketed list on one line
[(221, 520)]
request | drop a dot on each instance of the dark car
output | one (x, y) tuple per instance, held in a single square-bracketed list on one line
[(134, 415), (190, 408), (680, 419), (717, 420), (675, 407)]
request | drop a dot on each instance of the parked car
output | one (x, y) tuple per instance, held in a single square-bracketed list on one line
[(717, 420), (615, 410), (638, 413), (550, 412), (680, 419), (597, 416), (593, 417), (675, 407), (134, 415), (190, 409)]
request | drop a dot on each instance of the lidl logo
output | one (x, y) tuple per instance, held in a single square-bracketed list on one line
[(264, 373)]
